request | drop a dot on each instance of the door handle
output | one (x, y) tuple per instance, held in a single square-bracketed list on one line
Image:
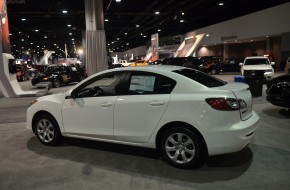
[(106, 104), (156, 103)]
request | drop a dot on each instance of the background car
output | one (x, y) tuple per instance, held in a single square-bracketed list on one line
[(176, 110), (58, 75), (223, 67), (139, 63), (278, 91), (190, 62), (21, 72), (257, 66)]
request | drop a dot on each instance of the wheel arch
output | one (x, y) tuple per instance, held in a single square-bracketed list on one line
[(179, 124), (39, 113)]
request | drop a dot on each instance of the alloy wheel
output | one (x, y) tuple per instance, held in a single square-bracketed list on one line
[(180, 148), (45, 130)]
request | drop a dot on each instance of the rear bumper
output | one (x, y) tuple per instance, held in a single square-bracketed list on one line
[(234, 138)]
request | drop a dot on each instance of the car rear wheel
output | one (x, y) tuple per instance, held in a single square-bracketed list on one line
[(47, 130), (56, 83), (182, 148)]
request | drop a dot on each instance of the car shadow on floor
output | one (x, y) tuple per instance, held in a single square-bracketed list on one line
[(281, 113), (144, 161)]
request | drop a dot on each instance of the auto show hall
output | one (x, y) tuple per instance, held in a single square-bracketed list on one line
[(83, 164)]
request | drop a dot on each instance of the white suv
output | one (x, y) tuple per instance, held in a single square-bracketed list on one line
[(257, 66)]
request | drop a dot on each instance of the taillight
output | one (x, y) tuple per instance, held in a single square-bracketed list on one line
[(226, 104)]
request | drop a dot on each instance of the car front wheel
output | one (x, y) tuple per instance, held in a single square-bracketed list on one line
[(182, 148), (56, 83), (47, 130)]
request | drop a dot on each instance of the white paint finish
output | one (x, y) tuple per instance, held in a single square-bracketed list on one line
[(89, 116), (136, 116), (269, 74)]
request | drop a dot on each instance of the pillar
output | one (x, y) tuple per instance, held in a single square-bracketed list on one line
[(95, 43)]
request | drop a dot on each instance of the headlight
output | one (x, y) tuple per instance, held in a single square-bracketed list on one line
[(33, 101)]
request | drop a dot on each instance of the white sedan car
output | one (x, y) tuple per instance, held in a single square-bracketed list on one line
[(184, 113)]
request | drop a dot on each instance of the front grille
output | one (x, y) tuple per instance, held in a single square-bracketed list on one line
[(254, 72)]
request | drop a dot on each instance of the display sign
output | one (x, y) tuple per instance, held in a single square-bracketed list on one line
[(4, 31), (142, 84), (155, 46)]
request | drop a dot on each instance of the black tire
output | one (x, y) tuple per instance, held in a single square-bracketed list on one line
[(47, 130), (186, 152), (56, 83)]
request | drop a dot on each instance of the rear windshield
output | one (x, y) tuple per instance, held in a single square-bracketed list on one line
[(257, 62), (201, 77)]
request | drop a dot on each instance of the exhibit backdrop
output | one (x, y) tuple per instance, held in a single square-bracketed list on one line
[(4, 31)]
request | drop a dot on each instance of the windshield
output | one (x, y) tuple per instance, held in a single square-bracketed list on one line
[(257, 62), (51, 70), (200, 77)]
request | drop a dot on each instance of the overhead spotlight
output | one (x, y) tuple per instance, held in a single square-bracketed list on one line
[(207, 35), (157, 12), (137, 25), (181, 21), (106, 20), (23, 19), (68, 25), (182, 13), (118, 1), (36, 30), (64, 11), (10, 34), (221, 4), (72, 39), (70, 33), (159, 30), (144, 36), (125, 33)]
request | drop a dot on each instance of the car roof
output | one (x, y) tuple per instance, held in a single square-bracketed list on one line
[(256, 57), (150, 68)]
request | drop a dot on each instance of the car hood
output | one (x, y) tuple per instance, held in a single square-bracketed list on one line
[(51, 97), (257, 67)]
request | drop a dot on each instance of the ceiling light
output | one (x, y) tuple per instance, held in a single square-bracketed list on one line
[(69, 25), (31, 43), (141, 34), (137, 25), (182, 13), (252, 40), (22, 40), (159, 30), (54, 44), (267, 36), (125, 33), (106, 20), (23, 19), (64, 11), (221, 4), (118, 1), (207, 35), (72, 39), (70, 33), (144, 36), (10, 34), (118, 38), (181, 21), (36, 30), (157, 12), (45, 36)]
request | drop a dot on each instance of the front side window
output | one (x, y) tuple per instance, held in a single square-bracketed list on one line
[(105, 85)]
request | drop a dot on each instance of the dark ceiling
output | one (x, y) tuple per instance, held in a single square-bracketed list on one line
[(46, 24)]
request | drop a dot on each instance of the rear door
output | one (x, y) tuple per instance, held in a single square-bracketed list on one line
[(139, 110)]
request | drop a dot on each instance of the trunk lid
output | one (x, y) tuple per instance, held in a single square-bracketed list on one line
[(241, 91)]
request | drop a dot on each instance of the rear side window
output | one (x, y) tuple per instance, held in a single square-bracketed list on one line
[(201, 77)]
